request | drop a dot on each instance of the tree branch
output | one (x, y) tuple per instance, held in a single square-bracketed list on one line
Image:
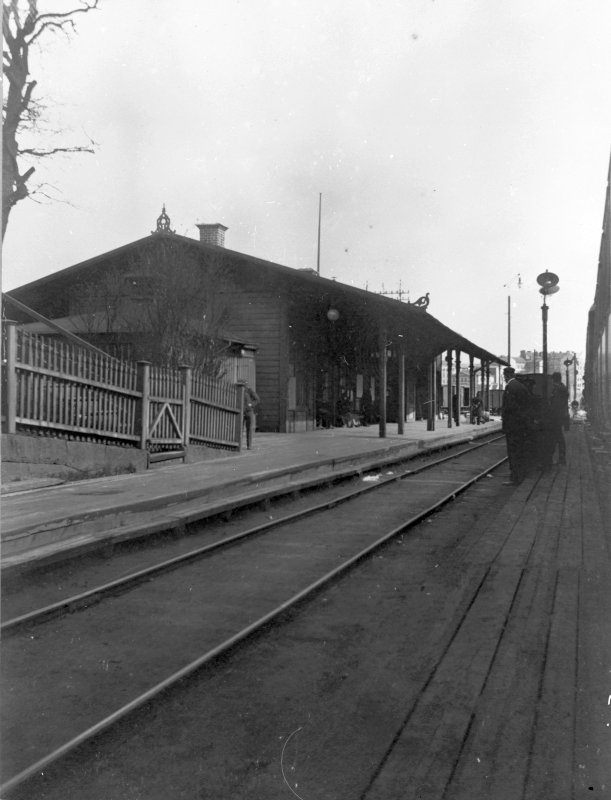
[(36, 153), (59, 20), (21, 29)]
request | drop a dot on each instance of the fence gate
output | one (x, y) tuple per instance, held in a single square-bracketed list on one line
[(166, 434)]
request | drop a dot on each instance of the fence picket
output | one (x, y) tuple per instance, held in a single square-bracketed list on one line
[(65, 389)]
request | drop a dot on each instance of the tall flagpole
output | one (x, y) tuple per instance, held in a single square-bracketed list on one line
[(319, 217), (509, 317), (509, 329)]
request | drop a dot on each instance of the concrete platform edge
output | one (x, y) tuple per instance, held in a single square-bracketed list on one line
[(24, 549)]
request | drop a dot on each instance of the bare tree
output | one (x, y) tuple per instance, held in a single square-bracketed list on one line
[(182, 309), (100, 302), (23, 26), (163, 304)]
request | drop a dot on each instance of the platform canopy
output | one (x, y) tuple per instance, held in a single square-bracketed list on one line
[(421, 335)]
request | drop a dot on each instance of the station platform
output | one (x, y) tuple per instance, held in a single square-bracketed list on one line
[(47, 524)]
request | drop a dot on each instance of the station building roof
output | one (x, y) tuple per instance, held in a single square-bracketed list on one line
[(422, 335)]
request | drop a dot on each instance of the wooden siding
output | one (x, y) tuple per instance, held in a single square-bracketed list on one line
[(257, 300), (258, 317)]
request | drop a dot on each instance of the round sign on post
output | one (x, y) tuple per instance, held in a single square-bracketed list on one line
[(547, 280)]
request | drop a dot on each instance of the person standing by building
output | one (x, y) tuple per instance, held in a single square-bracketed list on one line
[(251, 401), (559, 417), (516, 416), (476, 409)]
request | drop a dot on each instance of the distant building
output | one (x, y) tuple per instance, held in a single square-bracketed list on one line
[(531, 361)]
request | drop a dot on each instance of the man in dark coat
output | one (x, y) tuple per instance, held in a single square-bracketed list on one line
[(559, 417), (251, 401), (476, 409), (516, 414)]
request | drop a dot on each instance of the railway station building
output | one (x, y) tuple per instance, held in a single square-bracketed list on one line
[(317, 352)]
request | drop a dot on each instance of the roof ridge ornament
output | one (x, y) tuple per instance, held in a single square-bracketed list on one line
[(421, 302), (163, 223)]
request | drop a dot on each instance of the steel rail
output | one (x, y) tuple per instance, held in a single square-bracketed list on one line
[(96, 595), (223, 648)]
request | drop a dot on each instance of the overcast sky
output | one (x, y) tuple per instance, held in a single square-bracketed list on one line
[(456, 144)]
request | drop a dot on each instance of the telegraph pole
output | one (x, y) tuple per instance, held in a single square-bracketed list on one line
[(319, 219)]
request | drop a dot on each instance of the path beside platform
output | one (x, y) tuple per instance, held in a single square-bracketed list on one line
[(518, 704)]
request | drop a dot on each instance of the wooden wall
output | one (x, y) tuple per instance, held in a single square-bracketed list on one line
[(257, 302), (258, 316)]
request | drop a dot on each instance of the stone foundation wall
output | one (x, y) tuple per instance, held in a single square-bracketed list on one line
[(26, 458)]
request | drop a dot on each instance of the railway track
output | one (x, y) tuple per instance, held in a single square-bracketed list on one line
[(160, 624)]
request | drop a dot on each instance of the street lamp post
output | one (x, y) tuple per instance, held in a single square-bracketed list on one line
[(567, 364), (382, 345), (548, 282), (574, 376), (333, 315)]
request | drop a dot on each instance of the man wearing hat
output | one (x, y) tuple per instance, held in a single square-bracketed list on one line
[(559, 417), (516, 413), (251, 401)]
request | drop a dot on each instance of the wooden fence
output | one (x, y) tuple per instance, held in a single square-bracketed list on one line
[(65, 390)]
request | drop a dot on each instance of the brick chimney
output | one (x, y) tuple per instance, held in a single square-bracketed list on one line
[(212, 234)]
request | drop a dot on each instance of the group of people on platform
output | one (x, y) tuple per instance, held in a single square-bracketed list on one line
[(533, 425)]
